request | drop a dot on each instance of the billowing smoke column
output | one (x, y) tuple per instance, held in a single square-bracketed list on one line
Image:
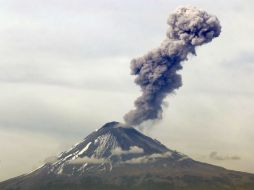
[(156, 71)]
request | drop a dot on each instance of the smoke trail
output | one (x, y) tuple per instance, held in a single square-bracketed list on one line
[(157, 70)]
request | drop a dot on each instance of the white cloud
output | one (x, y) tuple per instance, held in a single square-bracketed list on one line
[(149, 158), (132, 150), (216, 156)]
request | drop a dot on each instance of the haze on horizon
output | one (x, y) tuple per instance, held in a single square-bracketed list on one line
[(64, 72)]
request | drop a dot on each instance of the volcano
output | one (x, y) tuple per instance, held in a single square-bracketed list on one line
[(119, 157)]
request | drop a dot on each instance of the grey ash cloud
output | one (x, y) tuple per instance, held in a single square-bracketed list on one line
[(157, 71), (216, 156)]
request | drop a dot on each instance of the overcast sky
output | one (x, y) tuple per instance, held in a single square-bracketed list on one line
[(64, 71)]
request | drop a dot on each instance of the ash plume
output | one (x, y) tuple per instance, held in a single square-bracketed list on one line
[(156, 71)]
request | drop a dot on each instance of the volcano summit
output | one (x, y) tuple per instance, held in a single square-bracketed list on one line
[(120, 157)]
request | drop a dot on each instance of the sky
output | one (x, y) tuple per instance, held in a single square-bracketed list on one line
[(64, 72)]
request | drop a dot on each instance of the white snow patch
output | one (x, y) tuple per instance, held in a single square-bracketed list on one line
[(96, 141), (70, 155), (84, 149), (83, 167)]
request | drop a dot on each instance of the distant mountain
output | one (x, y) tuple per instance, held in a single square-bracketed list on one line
[(118, 157)]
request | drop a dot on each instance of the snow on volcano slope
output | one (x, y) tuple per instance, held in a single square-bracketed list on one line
[(112, 145)]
